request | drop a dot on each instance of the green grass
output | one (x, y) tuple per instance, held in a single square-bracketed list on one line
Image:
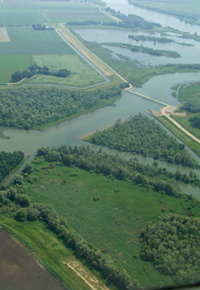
[(82, 74), (24, 40), (177, 132), (113, 222), (188, 91), (184, 121), (11, 63), (51, 251), (22, 16), (60, 11)]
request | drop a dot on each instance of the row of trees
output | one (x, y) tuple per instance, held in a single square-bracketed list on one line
[(142, 135), (8, 161), (35, 69), (192, 105), (148, 50), (27, 107), (114, 166), (14, 202), (173, 246)]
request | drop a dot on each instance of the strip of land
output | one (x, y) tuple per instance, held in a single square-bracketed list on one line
[(4, 37)]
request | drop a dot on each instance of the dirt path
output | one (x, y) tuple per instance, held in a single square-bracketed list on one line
[(85, 275)]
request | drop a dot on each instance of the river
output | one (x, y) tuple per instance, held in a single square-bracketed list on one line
[(69, 132)]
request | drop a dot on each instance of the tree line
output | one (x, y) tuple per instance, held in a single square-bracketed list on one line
[(150, 38), (35, 69), (173, 246), (27, 107), (8, 161), (142, 135), (116, 167), (17, 204)]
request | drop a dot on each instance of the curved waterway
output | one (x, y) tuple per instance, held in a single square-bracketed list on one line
[(164, 19)]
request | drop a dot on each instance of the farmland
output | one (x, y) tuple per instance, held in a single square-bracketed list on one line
[(22, 16), (11, 63), (63, 12), (4, 37), (20, 268), (82, 74), (112, 223)]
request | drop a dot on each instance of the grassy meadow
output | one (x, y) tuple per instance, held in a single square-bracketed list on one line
[(114, 222), (82, 74), (11, 63)]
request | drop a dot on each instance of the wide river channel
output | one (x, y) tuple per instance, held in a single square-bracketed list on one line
[(69, 132)]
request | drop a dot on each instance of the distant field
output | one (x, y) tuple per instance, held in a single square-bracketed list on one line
[(4, 37), (11, 63), (60, 11), (25, 40), (18, 3), (22, 16), (82, 74)]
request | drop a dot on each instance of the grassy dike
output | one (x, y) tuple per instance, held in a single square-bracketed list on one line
[(46, 248), (177, 132)]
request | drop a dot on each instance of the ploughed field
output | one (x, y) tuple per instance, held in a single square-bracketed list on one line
[(20, 270)]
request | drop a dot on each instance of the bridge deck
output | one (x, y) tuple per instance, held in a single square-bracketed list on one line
[(148, 98)]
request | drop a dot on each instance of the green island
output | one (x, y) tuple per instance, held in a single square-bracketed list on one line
[(81, 217), (148, 50), (150, 38)]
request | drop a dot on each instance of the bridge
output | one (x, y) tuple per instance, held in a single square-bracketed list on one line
[(145, 97)]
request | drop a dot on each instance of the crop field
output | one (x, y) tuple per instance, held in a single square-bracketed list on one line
[(4, 37), (114, 222), (18, 3), (63, 12), (10, 64), (22, 16), (19, 268), (82, 74), (25, 40)]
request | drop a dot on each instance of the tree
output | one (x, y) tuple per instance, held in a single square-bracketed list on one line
[(16, 77), (21, 214), (28, 168), (18, 179), (23, 200)]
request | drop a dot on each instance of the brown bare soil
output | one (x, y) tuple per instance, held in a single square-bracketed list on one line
[(20, 270)]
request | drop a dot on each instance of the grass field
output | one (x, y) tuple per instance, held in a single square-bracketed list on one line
[(22, 16), (51, 252), (78, 45), (187, 91), (63, 12), (4, 37), (177, 132), (82, 74), (185, 123), (12, 63), (112, 223), (25, 40)]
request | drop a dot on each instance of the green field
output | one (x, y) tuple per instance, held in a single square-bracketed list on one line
[(187, 91), (11, 63), (22, 16), (184, 121), (112, 223), (63, 12), (25, 40), (82, 74)]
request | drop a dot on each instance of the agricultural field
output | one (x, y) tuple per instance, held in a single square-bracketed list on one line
[(25, 40), (19, 268), (4, 37), (17, 3), (63, 12), (10, 64), (82, 74), (22, 16), (114, 221)]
